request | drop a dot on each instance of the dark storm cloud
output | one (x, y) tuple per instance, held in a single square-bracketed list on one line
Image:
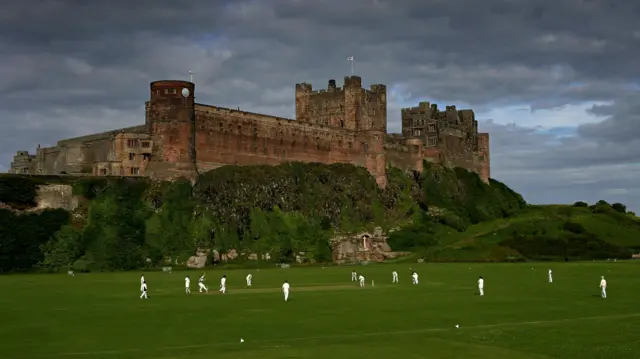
[(74, 67)]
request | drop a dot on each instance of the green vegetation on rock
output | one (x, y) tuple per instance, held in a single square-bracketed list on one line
[(274, 212)]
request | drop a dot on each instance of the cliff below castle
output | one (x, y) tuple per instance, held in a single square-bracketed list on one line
[(290, 213)]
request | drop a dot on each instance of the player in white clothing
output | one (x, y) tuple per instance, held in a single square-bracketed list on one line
[(71, 273), (249, 280), (142, 279), (187, 285), (361, 280), (395, 277), (414, 278), (201, 285), (143, 289), (354, 276), (481, 285), (285, 290), (603, 287), (223, 284), (550, 276)]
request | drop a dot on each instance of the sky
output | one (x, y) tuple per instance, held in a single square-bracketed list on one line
[(555, 83)]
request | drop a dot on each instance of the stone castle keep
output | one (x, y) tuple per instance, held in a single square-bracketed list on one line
[(345, 124)]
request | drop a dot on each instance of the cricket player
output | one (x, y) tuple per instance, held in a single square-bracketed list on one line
[(71, 273), (361, 280), (143, 289), (201, 284), (481, 285), (354, 276), (414, 278), (395, 277), (550, 276), (187, 285), (223, 284), (142, 279), (603, 287), (249, 280), (285, 290)]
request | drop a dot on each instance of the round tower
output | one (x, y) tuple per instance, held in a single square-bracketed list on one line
[(171, 122)]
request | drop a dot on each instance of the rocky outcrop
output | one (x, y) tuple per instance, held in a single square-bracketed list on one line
[(353, 248), (362, 247), (56, 196)]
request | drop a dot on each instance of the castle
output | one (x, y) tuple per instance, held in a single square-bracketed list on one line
[(347, 124)]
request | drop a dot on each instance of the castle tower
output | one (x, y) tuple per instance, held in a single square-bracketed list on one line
[(353, 97), (303, 99), (372, 126), (171, 123)]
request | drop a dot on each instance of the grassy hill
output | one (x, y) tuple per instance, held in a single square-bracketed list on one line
[(441, 214), (551, 232)]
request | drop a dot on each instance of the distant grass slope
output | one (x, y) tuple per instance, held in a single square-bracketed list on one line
[(552, 232)]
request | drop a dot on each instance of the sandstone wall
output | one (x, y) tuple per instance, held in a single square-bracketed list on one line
[(225, 136), (56, 196)]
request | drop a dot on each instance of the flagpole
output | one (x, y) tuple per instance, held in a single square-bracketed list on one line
[(352, 65)]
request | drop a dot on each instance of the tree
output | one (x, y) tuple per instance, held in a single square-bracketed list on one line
[(61, 251), (619, 207)]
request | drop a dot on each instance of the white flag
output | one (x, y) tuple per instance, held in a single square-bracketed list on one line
[(350, 58)]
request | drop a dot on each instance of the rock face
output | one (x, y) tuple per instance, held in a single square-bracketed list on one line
[(199, 260), (363, 246), (56, 196)]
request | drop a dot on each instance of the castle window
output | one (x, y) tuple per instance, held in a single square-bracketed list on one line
[(166, 91), (416, 133), (103, 171), (432, 128), (146, 156), (342, 123), (132, 143), (365, 147), (350, 144), (416, 148), (135, 170), (146, 144), (432, 141), (481, 158), (255, 149), (132, 156)]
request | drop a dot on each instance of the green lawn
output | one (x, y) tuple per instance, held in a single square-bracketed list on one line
[(520, 317)]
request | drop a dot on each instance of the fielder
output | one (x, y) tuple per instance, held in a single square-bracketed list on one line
[(414, 278), (143, 289), (603, 287), (550, 276), (481, 285), (249, 280), (201, 284), (187, 285), (223, 284), (285, 290), (354, 276), (361, 280), (395, 277)]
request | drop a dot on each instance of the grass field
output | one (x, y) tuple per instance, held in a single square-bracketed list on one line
[(521, 316)]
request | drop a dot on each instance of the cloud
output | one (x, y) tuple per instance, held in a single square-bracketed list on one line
[(555, 83)]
